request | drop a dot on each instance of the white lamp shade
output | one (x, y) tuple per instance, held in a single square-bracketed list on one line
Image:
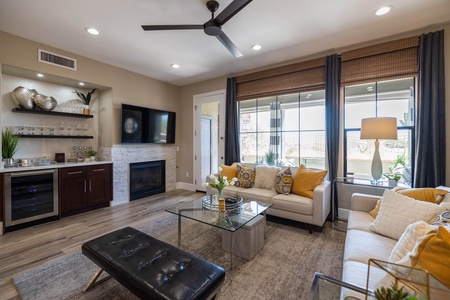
[(379, 128)]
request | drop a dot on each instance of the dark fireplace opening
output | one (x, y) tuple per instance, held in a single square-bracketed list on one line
[(147, 178)]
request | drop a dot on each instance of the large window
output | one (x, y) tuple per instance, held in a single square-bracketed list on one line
[(393, 98), (284, 130)]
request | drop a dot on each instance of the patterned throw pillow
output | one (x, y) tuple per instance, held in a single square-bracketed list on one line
[(443, 219), (284, 182), (245, 176)]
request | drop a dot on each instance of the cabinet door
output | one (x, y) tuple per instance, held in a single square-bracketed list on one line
[(72, 191), (99, 185)]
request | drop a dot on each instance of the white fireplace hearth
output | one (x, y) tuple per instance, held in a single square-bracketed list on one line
[(123, 155)]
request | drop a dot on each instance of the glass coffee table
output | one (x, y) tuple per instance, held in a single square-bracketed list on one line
[(229, 219)]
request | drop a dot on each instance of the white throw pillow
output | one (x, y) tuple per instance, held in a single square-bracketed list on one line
[(408, 239), (266, 177), (398, 211)]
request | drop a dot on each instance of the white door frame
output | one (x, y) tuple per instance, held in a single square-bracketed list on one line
[(198, 101)]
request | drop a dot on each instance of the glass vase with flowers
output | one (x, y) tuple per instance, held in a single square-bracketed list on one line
[(219, 183)]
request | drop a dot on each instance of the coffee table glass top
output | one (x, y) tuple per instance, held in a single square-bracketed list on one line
[(228, 221)]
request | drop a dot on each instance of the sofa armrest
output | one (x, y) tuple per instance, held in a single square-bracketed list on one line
[(321, 203), (364, 202)]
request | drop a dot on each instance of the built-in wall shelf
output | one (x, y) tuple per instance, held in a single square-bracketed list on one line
[(50, 113), (42, 136)]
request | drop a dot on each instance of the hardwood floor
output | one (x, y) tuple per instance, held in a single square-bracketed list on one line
[(27, 248)]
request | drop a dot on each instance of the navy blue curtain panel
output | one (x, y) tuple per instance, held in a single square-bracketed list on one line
[(232, 149), (430, 112), (332, 111)]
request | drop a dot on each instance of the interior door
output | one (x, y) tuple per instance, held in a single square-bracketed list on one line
[(209, 131)]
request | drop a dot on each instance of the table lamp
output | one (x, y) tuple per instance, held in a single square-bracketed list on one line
[(374, 129)]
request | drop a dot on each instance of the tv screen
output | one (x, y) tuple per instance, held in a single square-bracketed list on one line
[(146, 125)]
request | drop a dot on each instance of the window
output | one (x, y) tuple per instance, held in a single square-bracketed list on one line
[(393, 98), (284, 130)]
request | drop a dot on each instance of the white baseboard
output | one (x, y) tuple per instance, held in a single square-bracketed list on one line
[(343, 214), (185, 186)]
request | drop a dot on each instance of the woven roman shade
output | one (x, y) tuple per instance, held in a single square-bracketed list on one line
[(303, 76), (390, 60)]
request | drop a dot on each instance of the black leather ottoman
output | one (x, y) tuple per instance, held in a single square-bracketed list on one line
[(152, 269)]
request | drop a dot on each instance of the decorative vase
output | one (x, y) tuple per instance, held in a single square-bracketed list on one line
[(393, 183), (86, 110)]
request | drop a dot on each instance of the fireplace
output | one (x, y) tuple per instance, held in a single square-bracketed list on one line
[(147, 178)]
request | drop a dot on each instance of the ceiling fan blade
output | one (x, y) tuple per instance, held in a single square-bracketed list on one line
[(171, 27), (229, 44), (231, 10)]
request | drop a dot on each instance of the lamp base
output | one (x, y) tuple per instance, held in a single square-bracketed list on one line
[(377, 167)]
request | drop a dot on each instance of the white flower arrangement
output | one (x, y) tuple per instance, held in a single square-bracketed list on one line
[(219, 183)]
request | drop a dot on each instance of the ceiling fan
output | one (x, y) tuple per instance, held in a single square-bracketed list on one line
[(214, 26)]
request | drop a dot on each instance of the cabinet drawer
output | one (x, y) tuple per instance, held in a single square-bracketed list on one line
[(74, 172), (99, 169)]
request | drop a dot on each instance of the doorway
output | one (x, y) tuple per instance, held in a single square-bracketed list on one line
[(209, 131)]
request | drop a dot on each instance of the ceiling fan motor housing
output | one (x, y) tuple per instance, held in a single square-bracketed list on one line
[(212, 28)]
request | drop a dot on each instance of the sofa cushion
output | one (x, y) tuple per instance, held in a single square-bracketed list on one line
[(398, 211), (424, 194), (306, 180), (294, 203), (229, 171), (408, 240), (355, 273), (257, 194), (359, 220), (231, 190), (246, 177), (265, 177), (362, 245), (283, 183), (442, 220)]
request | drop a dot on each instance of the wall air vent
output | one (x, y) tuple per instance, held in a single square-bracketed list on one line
[(57, 60)]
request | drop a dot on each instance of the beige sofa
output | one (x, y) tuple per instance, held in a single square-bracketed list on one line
[(362, 244), (293, 207)]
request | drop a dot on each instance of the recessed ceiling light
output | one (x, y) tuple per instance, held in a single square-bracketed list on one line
[(81, 83), (39, 75), (383, 10), (256, 47), (175, 66), (92, 31)]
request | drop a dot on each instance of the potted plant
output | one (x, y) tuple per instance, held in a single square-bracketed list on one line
[(393, 293), (91, 154), (86, 100), (270, 158), (10, 145)]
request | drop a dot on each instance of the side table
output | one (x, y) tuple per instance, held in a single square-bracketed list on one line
[(324, 288)]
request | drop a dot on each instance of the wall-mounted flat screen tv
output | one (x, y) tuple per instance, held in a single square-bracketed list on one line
[(146, 125)]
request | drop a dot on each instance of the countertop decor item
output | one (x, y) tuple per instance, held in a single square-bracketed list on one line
[(46, 103), (10, 145), (86, 98), (24, 97)]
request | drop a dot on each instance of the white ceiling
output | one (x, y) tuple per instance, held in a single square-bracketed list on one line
[(286, 29)]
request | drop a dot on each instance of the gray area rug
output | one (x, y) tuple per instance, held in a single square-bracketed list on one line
[(283, 269)]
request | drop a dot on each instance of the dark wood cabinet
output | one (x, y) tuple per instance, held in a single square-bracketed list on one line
[(84, 188)]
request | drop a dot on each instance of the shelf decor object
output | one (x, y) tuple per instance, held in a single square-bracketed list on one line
[(46, 103), (375, 129), (86, 100), (24, 97), (416, 282)]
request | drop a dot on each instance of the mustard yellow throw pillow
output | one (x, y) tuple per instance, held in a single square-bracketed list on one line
[(374, 212), (229, 171), (424, 194), (306, 180), (434, 255)]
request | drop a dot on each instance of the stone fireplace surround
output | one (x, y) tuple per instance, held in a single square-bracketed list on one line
[(123, 155)]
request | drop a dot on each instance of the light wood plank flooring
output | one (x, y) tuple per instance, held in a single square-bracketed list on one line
[(30, 247)]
